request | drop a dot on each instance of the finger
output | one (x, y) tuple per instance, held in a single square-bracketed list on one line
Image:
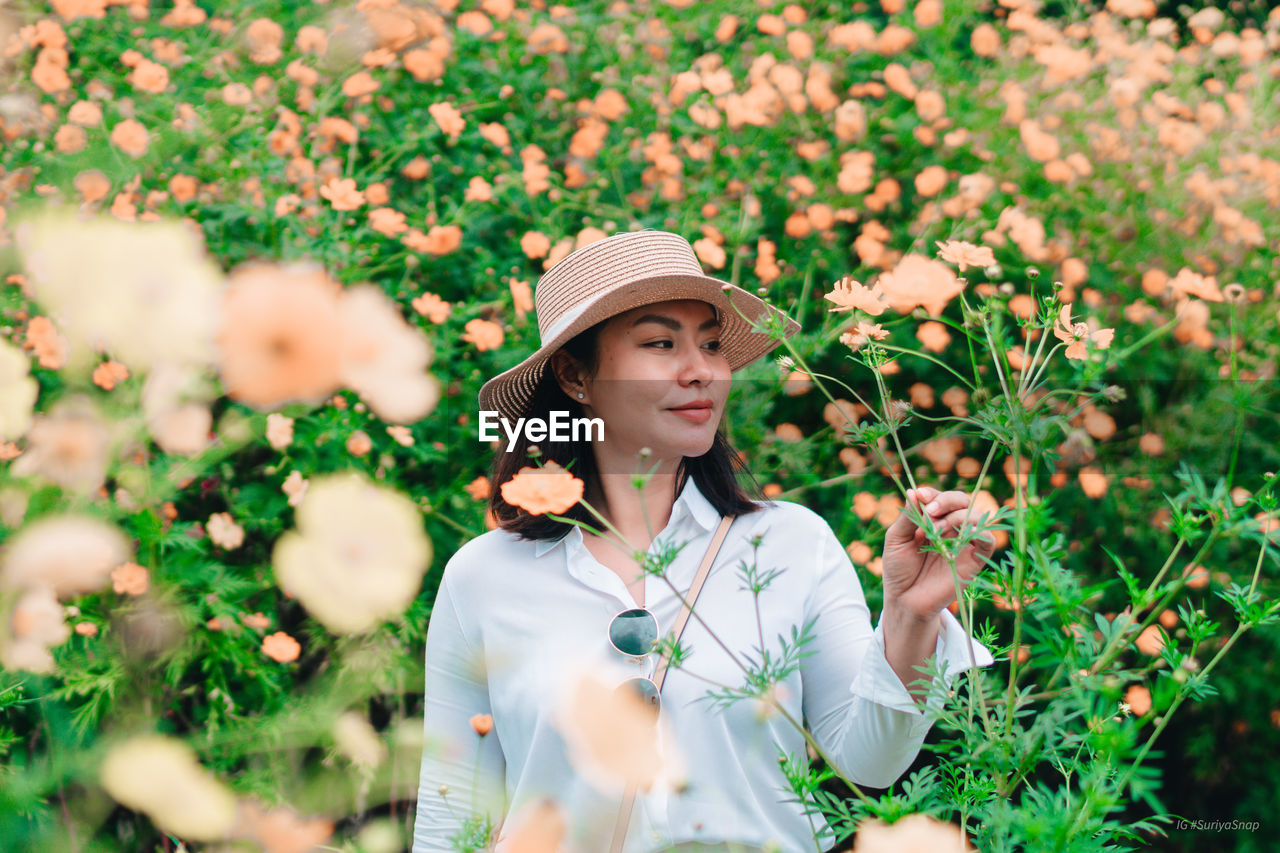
[(923, 494), (903, 530)]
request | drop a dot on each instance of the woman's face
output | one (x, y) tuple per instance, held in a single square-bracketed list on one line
[(652, 360)]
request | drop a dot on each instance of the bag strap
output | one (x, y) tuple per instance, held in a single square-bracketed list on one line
[(624, 814)]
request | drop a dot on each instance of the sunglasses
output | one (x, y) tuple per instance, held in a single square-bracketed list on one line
[(634, 633)]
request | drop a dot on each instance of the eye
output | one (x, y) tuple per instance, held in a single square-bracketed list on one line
[(715, 344), (656, 343)]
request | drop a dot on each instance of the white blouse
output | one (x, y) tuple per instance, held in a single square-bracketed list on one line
[(513, 617)]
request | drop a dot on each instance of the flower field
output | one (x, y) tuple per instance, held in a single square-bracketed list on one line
[(257, 259)]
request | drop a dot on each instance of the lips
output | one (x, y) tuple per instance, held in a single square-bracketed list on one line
[(698, 412)]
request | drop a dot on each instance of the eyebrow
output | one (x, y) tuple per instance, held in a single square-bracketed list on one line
[(671, 323)]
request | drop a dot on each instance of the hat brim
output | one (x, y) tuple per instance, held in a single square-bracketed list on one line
[(509, 392)]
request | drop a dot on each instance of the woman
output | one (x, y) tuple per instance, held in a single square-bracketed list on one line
[(634, 334)]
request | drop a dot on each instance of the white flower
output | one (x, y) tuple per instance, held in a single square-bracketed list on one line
[(358, 554)]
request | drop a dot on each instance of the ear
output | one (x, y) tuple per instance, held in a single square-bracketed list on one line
[(568, 373)]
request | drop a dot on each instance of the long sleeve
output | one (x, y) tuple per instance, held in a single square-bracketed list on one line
[(473, 768), (857, 708)]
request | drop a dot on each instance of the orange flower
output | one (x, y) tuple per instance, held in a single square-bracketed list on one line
[(863, 333), (130, 579), (149, 76), (478, 488), (359, 443), (521, 296), (1138, 698), (49, 346), (49, 72), (1193, 284), (69, 139), (386, 220), (85, 114), (709, 252), (482, 724), (264, 36), (224, 532), (424, 65), (432, 307), (448, 118), (130, 137), (358, 84), (538, 491), (496, 134), (109, 374), (965, 254), (312, 39), (478, 189), (931, 180), (183, 188), (548, 38), (185, 13), (485, 334), (1078, 335), (281, 647), (236, 95), (342, 194), (535, 244), (1150, 641), (850, 294), (278, 339), (1093, 481), (442, 239), (919, 281)]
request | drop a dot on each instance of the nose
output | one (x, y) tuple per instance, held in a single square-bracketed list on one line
[(697, 368)]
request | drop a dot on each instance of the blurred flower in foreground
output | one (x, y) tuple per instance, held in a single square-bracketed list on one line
[(67, 446), (278, 344), (357, 740), (280, 830), (71, 554), (175, 405), (384, 359), (614, 737), (541, 490), (358, 554), (965, 254), (1078, 335), (18, 392), (161, 777), (144, 292), (538, 827), (917, 833), (36, 626)]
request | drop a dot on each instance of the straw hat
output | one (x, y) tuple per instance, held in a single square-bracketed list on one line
[(614, 275)]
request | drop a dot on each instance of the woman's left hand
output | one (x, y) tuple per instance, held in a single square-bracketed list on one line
[(921, 583)]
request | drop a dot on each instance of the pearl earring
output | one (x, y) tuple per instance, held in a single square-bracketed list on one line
[(579, 395)]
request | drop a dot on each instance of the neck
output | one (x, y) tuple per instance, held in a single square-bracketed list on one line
[(638, 515)]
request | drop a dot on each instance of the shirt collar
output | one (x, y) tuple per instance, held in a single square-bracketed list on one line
[(689, 502)]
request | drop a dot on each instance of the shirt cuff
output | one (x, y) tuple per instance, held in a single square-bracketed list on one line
[(877, 682)]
